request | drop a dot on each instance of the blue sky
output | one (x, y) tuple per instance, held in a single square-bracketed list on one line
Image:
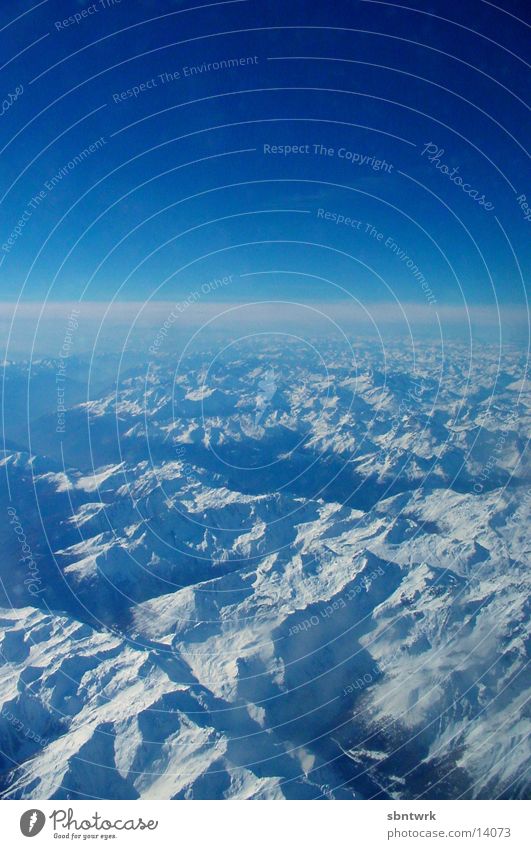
[(160, 189)]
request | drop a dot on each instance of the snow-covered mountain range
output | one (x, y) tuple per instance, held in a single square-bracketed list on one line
[(285, 571)]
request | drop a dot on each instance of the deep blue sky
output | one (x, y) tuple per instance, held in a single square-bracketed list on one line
[(455, 88)]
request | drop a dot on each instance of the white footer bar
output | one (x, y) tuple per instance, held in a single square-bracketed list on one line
[(267, 825)]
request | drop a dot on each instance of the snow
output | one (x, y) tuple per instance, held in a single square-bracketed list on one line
[(336, 598)]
